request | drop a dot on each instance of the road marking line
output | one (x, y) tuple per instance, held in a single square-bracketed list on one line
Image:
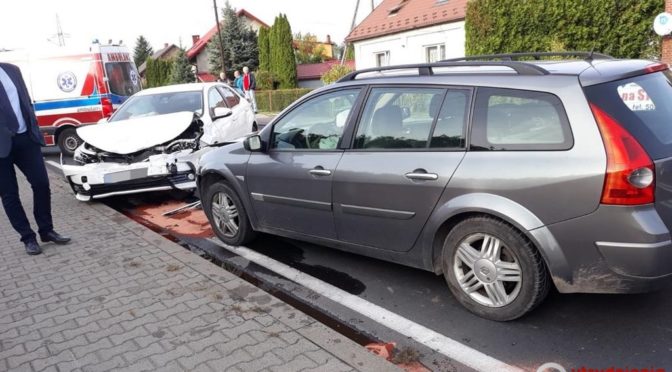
[(447, 346), (54, 164)]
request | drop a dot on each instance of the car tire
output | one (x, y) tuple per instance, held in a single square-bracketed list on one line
[(255, 127), (225, 211), (69, 141), (493, 270)]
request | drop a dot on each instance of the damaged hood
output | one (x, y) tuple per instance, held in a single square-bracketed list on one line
[(130, 136)]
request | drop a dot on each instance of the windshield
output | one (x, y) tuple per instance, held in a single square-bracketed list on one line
[(159, 104), (122, 78), (643, 106)]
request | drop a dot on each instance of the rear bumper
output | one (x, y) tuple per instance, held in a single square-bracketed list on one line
[(613, 250), (646, 260)]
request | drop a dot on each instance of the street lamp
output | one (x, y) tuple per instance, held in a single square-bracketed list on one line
[(219, 34)]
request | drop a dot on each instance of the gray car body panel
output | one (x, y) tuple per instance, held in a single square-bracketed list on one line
[(553, 197)]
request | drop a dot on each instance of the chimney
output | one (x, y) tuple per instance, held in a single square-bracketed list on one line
[(328, 39), (195, 39), (667, 40), (165, 45)]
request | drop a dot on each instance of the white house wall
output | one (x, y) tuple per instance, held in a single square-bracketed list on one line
[(409, 46)]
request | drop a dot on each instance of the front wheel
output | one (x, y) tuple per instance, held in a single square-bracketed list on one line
[(493, 270), (69, 141), (227, 215)]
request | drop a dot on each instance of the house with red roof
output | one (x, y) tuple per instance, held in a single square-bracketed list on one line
[(309, 75), (198, 53), (410, 31)]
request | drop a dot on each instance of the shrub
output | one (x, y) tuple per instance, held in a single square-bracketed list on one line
[(266, 80), (620, 28), (278, 100), (335, 72)]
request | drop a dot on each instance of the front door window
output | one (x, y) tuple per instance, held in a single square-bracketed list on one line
[(317, 124)]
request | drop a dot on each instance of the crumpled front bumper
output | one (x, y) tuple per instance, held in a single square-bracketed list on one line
[(162, 172)]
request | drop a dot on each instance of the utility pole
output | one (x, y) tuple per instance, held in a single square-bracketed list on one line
[(60, 36), (352, 27), (219, 34)]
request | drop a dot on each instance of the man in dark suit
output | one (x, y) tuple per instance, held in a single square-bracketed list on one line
[(20, 142)]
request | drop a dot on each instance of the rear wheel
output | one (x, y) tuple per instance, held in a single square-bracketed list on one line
[(227, 214), (69, 141), (493, 270)]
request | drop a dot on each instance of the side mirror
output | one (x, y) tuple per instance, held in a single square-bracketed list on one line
[(221, 112), (102, 121), (252, 143)]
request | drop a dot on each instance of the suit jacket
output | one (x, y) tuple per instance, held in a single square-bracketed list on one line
[(6, 134)]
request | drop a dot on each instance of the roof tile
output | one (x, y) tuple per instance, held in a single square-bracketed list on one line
[(412, 14)]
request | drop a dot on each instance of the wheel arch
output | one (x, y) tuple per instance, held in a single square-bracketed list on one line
[(447, 216), (208, 177)]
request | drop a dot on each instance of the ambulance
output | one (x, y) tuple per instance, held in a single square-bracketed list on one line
[(72, 88)]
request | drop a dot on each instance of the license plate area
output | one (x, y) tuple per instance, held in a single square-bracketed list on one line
[(127, 175)]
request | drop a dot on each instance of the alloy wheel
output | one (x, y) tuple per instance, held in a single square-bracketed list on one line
[(225, 214), (487, 270)]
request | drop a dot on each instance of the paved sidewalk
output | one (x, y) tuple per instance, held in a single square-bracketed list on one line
[(121, 297)]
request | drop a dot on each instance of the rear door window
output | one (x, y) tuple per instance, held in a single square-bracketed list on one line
[(643, 106), (508, 119), (413, 118)]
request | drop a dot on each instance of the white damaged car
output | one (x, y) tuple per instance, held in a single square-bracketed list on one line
[(154, 141)]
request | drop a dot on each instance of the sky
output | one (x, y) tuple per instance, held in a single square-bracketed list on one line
[(32, 23)]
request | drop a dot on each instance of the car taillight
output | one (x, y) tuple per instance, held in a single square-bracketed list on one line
[(107, 107), (630, 171)]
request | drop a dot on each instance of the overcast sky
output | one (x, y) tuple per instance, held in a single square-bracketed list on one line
[(30, 23)]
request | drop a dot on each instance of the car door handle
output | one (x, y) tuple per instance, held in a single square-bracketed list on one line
[(320, 172), (422, 176)]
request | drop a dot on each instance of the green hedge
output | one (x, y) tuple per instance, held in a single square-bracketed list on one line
[(622, 28), (277, 100)]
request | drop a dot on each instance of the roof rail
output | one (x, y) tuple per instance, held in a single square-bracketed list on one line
[(426, 69), (588, 56)]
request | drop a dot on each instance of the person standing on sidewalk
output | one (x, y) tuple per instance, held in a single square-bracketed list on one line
[(249, 85), (20, 145), (238, 82)]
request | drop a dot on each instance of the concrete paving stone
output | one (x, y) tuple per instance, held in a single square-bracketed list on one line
[(228, 361), (335, 365), (17, 361), (236, 343), (81, 351), (297, 364), (145, 353), (116, 363), (56, 347), (141, 366), (84, 306), (48, 331), (265, 346), (267, 360), (164, 358), (116, 350)]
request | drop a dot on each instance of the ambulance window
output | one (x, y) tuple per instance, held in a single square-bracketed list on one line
[(122, 78)]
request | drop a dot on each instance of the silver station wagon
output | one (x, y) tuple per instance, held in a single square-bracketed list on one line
[(506, 174)]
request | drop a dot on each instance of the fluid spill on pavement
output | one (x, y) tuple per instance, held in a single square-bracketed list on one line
[(293, 256)]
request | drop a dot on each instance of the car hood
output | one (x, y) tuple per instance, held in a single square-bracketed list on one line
[(130, 136)]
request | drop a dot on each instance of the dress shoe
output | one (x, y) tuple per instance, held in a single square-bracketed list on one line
[(54, 237), (32, 248)]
